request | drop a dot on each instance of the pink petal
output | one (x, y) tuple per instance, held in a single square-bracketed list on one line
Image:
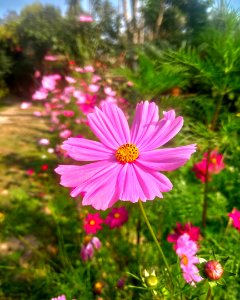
[(110, 126), (137, 182), (145, 121), (167, 159), (164, 132), (86, 150), (100, 190), (73, 176), (129, 186)]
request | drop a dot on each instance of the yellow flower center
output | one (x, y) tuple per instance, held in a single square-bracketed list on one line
[(92, 222), (214, 161), (184, 260), (127, 153), (87, 239), (116, 215)]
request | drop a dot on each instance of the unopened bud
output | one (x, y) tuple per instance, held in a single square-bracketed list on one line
[(152, 281), (213, 269)]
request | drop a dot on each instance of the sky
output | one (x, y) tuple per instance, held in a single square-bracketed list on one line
[(17, 5)]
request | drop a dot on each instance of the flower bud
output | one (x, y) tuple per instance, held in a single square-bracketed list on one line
[(213, 269), (152, 281), (98, 286), (150, 278)]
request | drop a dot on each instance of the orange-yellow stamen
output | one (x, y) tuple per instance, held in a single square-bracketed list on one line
[(116, 215), (92, 222), (127, 153), (214, 161), (184, 260)]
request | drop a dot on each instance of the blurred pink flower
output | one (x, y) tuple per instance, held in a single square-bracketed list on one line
[(79, 95), (68, 113), (37, 113), (89, 69), (85, 19), (186, 250), (30, 172), (62, 297), (50, 150), (37, 74), (126, 163), (44, 142), (109, 92), (25, 105), (87, 106), (180, 229), (65, 134), (130, 83), (117, 217), (49, 82), (70, 79), (50, 57), (92, 223), (88, 247), (93, 88), (40, 94), (235, 216), (78, 69), (68, 90), (96, 78), (215, 166)]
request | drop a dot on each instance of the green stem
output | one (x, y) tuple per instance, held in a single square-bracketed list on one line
[(209, 293), (205, 196), (156, 242)]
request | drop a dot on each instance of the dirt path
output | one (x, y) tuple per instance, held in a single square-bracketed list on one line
[(19, 132)]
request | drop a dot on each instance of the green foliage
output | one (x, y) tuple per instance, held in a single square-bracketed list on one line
[(151, 79), (6, 64)]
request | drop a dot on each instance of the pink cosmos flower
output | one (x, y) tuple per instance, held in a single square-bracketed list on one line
[(30, 172), (79, 95), (25, 105), (130, 83), (37, 74), (186, 250), (92, 223), (96, 78), (50, 150), (235, 216), (68, 113), (89, 69), (88, 105), (93, 88), (40, 94), (117, 217), (180, 229), (85, 19), (44, 142), (65, 134), (90, 244), (37, 113), (49, 82), (50, 57), (70, 79), (215, 166), (78, 69), (126, 162), (109, 92)]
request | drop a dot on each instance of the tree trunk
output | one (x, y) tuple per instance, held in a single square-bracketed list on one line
[(159, 20)]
